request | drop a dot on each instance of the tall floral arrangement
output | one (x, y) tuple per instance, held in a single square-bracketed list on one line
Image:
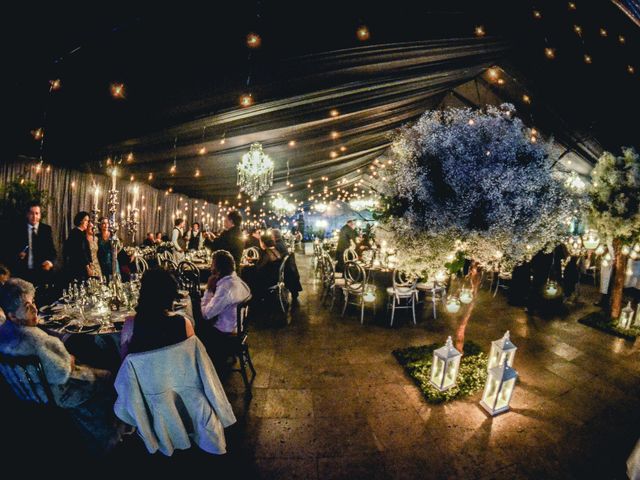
[(615, 211), (472, 183)]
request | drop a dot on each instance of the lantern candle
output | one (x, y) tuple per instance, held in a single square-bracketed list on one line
[(626, 317), (445, 365), (113, 178), (466, 295), (499, 389), (96, 192), (453, 304), (135, 197)]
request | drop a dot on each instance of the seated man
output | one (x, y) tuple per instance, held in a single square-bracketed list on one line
[(84, 390), (225, 291)]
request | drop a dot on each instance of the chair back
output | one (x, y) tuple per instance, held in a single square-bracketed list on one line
[(250, 254), (349, 255), (187, 266), (25, 376), (281, 270), (328, 270), (402, 279), (141, 264), (169, 265), (242, 312), (189, 281), (355, 277)]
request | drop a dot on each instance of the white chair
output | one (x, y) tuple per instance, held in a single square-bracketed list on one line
[(402, 294), (355, 279), (349, 255), (434, 292), (250, 255), (330, 284)]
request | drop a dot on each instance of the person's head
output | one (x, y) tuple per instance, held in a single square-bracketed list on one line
[(195, 227), (103, 225), (266, 241), (178, 222), (158, 290), (222, 263), (233, 219), (255, 232), (158, 236), (17, 302), (89, 228), (5, 274), (81, 220), (34, 213), (276, 234), (351, 223), (150, 236)]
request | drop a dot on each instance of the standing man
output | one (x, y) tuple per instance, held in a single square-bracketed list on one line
[(177, 238), (32, 249), (347, 235), (194, 237), (231, 239)]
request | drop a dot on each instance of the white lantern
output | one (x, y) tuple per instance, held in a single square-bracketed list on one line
[(550, 289), (637, 322), (625, 250), (626, 317), (498, 390), (502, 350), (466, 295), (444, 369), (600, 250), (590, 240), (453, 304)]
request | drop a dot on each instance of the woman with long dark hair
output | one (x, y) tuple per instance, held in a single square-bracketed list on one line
[(77, 253), (155, 325)]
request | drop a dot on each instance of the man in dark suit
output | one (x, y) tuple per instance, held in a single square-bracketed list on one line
[(32, 253), (347, 235), (231, 239)]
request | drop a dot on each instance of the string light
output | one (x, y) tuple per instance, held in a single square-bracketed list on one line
[(202, 151), (603, 32), (130, 157), (526, 98), (117, 91), (493, 73), (246, 100), (334, 113), (343, 148), (38, 133), (571, 5), (197, 174), (55, 85), (363, 33), (501, 81), (333, 154), (253, 40), (631, 69), (334, 135), (577, 29), (150, 177), (132, 178), (621, 40), (550, 53), (292, 143), (537, 14), (587, 59), (479, 31)]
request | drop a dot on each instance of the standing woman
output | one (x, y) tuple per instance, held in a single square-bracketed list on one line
[(104, 249), (77, 254), (93, 248)]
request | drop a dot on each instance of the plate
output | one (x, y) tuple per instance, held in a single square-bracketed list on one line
[(75, 328)]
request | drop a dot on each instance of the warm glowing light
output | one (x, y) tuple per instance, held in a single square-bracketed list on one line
[(333, 154), (571, 5), (603, 32), (501, 81), (202, 151), (537, 15), (363, 33), (132, 178), (222, 141), (73, 184), (197, 174), (246, 100), (334, 113), (172, 170), (55, 84), (38, 133), (253, 40), (526, 98), (150, 176), (587, 59), (550, 53), (621, 40), (493, 73), (479, 31), (117, 90), (577, 29), (292, 143), (334, 135), (631, 69)]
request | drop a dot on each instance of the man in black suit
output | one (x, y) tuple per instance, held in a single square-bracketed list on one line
[(32, 253), (231, 239)]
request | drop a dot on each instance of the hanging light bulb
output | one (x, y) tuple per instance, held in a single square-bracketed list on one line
[(363, 33), (479, 31), (246, 100), (117, 91), (253, 40)]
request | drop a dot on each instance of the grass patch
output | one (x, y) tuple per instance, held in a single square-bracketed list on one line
[(471, 375), (600, 321)]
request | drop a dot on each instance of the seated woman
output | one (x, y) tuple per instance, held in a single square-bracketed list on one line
[(291, 274), (85, 391), (266, 272), (225, 290), (154, 325)]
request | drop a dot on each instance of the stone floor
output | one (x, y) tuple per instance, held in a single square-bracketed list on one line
[(330, 401)]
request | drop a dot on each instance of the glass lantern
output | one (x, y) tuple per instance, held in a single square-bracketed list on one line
[(466, 295), (626, 317), (498, 389), (550, 289), (453, 304), (370, 294), (444, 369), (600, 250), (590, 240), (637, 321), (502, 350)]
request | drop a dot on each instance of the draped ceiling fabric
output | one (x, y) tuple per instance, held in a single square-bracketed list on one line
[(72, 191), (375, 89)]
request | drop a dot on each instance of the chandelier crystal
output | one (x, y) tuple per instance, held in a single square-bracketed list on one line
[(255, 172)]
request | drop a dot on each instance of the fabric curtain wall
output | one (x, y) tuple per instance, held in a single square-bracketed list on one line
[(71, 191)]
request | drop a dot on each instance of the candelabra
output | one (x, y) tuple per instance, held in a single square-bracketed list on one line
[(132, 223), (113, 203), (95, 216)]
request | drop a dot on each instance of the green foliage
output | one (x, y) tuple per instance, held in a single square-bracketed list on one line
[(16, 195), (600, 321), (472, 374), (457, 263), (615, 195)]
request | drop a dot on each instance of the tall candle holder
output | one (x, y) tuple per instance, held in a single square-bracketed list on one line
[(113, 203), (132, 223), (95, 216)]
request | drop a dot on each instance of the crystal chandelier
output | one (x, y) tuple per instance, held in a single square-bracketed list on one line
[(363, 204), (283, 207), (255, 172)]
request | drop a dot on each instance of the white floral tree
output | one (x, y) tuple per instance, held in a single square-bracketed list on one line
[(615, 211), (471, 181)]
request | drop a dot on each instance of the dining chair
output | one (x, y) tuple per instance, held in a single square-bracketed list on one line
[(355, 279), (402, 294)]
